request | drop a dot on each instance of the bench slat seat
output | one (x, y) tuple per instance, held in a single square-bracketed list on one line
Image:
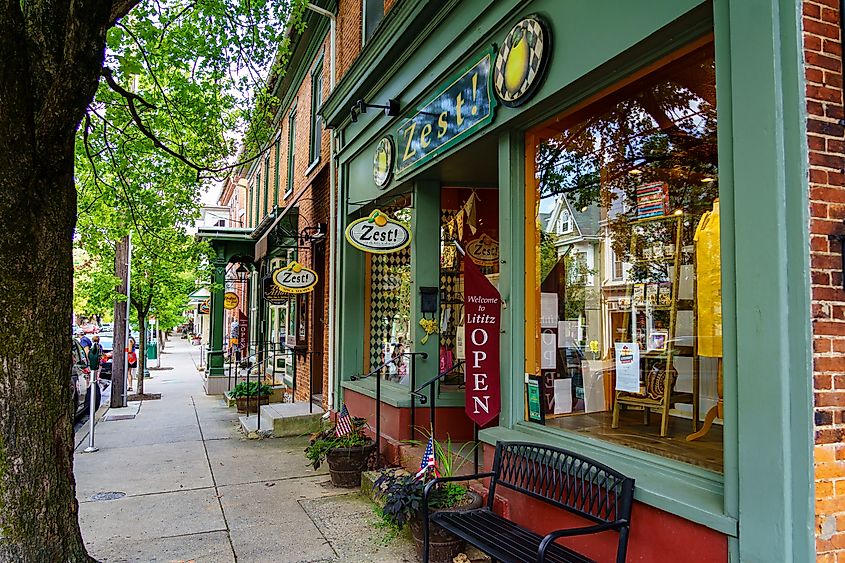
[(502, 539)]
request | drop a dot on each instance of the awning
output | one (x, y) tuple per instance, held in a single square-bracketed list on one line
[(262, 246), (199, 296)]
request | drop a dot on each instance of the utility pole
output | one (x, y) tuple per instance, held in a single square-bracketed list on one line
[(118, 362)]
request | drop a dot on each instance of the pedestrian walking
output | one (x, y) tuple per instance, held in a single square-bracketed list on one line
[(85, 342), (132, 359)]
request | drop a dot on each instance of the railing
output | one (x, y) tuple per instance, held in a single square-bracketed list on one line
[(431, 400), (377, 371)]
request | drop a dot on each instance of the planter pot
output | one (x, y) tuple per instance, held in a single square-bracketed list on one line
[(252, 402), (346, 465), (443, 546)]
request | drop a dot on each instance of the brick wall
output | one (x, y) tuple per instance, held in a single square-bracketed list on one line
[(825, 133)]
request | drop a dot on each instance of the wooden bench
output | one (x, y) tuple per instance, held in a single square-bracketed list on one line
[(552, 475)]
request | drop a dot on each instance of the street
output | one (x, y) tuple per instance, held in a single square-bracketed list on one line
[(175, 480)]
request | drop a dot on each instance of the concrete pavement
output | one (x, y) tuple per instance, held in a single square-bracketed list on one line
[(190, 487)]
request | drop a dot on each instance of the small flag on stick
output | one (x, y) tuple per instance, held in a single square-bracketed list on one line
[(429, 462), (343, 426)]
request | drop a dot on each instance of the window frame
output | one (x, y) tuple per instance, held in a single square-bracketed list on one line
[(315, 133), (365, 37), (291, 152)]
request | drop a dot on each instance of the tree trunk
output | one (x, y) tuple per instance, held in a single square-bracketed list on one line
[(118, 362), (142, 352), (38, 506)]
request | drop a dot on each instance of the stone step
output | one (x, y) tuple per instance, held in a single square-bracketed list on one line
[(284, 419)]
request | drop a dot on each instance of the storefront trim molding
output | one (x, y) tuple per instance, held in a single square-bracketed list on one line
[(691, 495), (399, 397)]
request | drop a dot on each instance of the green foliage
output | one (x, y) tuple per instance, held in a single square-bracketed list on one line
[(403, 497), (325, 441), (250, 389), (403, 494)]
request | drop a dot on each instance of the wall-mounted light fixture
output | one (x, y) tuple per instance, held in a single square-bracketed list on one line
[(359, 107)]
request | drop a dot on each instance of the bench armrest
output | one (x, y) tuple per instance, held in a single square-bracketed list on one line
[(552, 536)]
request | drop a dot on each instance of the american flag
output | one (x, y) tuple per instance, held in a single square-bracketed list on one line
[(428, 460), (344, 422)]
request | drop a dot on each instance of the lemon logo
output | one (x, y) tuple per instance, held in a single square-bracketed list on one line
[(516, 64), (383, 162), (521, 61)]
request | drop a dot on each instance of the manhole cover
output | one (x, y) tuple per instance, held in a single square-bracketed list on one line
[(111, 417), (109, 495)]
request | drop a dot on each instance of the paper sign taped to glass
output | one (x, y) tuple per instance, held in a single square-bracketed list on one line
[(627, 367)]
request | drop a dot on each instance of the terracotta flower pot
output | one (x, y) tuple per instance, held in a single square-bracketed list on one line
[(346, 465), (443, 546), (249, 405)]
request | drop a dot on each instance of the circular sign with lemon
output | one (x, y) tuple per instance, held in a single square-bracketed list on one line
[(295, 278), (378, 234), (383, 162), (230, 300), (521, 61)]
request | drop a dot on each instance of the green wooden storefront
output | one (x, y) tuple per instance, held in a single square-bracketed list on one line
[(763, 504)]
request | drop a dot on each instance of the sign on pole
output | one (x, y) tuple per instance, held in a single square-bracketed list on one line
[(482, 310)]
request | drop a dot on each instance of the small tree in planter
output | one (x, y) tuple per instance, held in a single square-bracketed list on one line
[(249, 395), (347, 455), (403, 502)]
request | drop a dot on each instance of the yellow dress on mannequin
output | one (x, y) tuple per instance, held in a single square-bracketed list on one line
[(708, 298)]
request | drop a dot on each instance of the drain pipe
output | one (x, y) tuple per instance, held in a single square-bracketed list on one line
[(333, 217)]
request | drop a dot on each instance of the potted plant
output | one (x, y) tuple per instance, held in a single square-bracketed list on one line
[(403, 497), (249, 395), (347, 456)]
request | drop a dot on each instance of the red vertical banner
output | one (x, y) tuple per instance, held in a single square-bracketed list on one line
[(482, 310), (243, 332)]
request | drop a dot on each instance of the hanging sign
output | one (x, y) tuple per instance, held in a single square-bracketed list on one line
[(652, 200), (521, 61), (230, 300), (243, 332), (295, 278), (484, 251), (271, 292), (378, 234), (458, 109), (205, 308), (482, 310)]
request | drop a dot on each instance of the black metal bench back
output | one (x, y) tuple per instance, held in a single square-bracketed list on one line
[(564, 479)]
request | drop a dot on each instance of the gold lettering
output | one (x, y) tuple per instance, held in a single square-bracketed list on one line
[(424, 133), (458, 105), (408, 152), (441, 122)]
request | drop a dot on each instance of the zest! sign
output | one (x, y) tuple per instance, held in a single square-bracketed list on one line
[(295, 278), (461, 107), (378, 234)]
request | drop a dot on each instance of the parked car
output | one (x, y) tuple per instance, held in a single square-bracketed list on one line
[(107, 327), (107, 342), (79, 377)]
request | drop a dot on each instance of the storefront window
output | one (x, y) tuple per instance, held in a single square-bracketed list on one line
[(624, 291), (390, 311)]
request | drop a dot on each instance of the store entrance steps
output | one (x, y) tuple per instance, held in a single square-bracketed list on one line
[(284, 419)]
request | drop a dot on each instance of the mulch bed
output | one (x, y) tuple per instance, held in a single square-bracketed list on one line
[(144, 397)]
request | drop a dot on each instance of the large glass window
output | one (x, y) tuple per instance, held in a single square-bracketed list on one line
[(631, 355)]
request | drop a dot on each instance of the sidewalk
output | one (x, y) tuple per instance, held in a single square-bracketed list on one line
[(192, 488)]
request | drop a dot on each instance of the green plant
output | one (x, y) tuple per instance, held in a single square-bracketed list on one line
[(403, 497), (325, 441), (450, 459), (250, 389)]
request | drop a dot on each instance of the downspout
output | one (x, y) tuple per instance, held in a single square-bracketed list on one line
[(333, 217)]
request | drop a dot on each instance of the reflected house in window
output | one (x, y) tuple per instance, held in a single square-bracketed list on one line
[(575, 237)]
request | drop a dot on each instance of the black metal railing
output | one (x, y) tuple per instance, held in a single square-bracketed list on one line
[(377, 371), (431, 401)]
